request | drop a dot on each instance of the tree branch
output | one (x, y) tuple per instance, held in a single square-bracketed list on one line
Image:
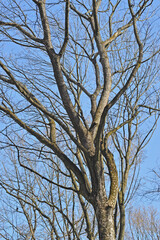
[(35, 102), (67, 162), (66, 28), (22, 30)]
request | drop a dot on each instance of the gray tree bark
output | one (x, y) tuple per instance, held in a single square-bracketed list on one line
[(105, 222)]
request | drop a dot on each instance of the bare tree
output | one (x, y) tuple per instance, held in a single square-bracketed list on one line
[(152, 188), (144, 224), (79, 102), (32, 207)]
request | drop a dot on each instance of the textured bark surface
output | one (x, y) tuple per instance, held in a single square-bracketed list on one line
[(105, 222), (122, 223), (104, 206)]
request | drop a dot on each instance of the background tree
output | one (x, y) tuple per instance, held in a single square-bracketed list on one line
[(79, 102), (144, 224), (152, 188)]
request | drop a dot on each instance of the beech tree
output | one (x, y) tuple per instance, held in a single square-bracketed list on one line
[(79, 102)]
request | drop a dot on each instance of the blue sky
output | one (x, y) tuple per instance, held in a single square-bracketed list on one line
[(152, 152), (151, 161)]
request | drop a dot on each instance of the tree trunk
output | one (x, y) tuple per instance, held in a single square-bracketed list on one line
[(103, 204), (122, 222), (105, 222)]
